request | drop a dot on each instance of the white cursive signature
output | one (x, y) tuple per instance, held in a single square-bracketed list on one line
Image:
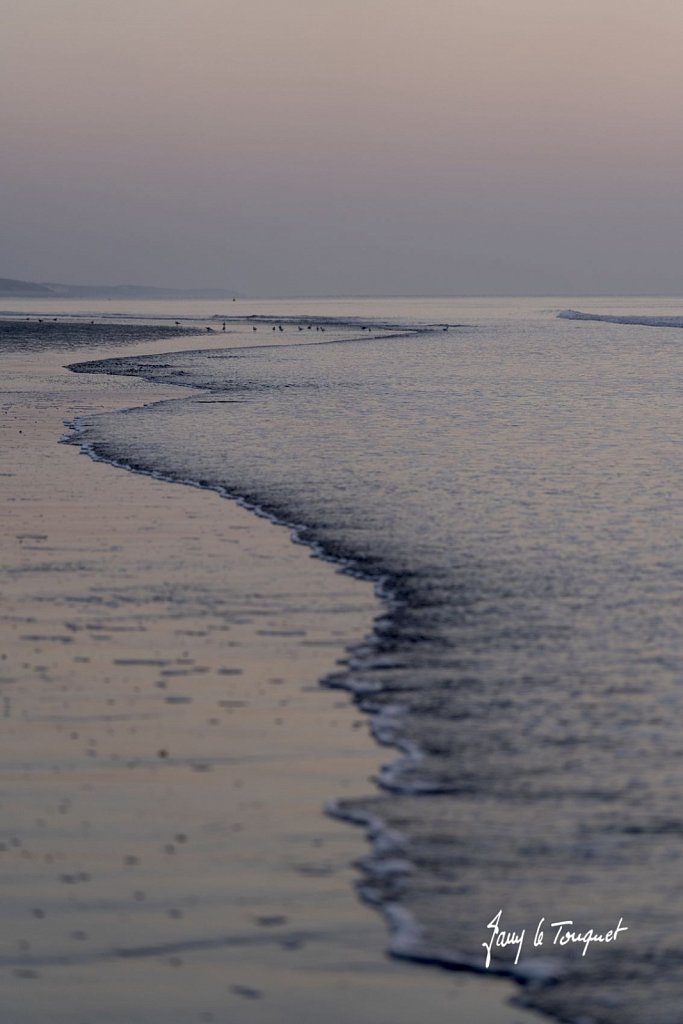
[(563, 935)]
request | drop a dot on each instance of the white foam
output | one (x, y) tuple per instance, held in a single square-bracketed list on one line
[(643, 321)]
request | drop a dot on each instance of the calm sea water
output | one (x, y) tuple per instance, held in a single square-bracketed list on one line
[(515, 485)]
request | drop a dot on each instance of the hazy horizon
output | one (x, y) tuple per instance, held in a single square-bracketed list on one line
[(266, 297), (365, 147)]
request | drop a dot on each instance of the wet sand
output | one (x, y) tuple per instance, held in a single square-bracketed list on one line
[(167, 751)]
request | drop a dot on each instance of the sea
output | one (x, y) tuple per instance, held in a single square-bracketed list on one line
[(509, 473)]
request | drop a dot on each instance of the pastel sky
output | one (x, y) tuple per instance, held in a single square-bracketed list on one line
[(344, 147)]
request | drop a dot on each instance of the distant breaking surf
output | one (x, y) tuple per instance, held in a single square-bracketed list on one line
[(643, 321)]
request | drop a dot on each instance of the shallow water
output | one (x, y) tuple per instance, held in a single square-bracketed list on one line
[(515, 485), (166, 751), (33, 334)]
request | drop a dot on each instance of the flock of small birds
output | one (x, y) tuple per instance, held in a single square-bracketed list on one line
[(279, 327), (41, 320), (276, 327)]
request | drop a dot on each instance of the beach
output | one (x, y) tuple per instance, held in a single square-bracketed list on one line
[(168, 751)]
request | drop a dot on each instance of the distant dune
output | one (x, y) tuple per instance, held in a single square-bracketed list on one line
[(9, 287)]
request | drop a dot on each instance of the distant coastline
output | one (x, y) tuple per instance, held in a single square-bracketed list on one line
[(12, 288)]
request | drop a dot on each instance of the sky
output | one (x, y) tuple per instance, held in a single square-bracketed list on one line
[(344, 147)]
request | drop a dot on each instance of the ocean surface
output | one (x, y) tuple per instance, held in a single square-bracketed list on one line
[(513, 480)]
